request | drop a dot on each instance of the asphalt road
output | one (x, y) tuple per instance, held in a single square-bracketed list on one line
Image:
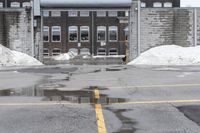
[(61, 99)]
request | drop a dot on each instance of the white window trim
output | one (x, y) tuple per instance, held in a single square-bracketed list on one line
[(15, 4), (72, 27), (143, 4), (84, 15), (47, 27), (71, 15), (1, 4), (109, 53), (98, 15), (155, 4), (53, 53), (101, 52), (55, 13), (55, 30), (110, 29), (101, 28), (45, 14), (46, 54), (26, 4), (88, 29), (112, 13), (166, 4)]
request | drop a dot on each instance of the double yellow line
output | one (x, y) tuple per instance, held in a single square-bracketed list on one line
[(99, 113)]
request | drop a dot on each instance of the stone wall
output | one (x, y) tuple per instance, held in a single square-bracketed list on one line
[(15, 30), (164, 26)]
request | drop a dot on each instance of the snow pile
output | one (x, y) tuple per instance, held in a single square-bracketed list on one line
[(13, 58), (65, 56), (169, 55)]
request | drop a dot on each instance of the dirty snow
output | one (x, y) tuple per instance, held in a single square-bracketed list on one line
[(13, 58), (169, 55), (65, 56)]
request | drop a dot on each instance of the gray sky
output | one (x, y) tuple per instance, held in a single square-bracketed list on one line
[(192, 3)]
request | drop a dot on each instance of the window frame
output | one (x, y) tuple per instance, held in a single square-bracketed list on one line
[(87, 50), (143, 4), (112, 13), (54, 54), (109, 53), (112, 28), (47, 27), (46, 53), (101, 15), (156, 3), (166, 3), (45, 14), (15, 3), (88, 29), (55, 13), (84, 13), (71, 28), (1, 5), (72, 13), (99, 28), (101, 52), (26, 4), (52, 30)]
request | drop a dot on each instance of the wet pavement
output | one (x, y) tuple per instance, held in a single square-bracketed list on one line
[(118, 87)]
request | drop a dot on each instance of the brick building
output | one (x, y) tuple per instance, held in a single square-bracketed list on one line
[(98, 27)]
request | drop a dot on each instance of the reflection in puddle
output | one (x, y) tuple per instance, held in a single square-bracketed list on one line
[(80, 96)]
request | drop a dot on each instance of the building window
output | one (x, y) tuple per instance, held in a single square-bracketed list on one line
[(45, 52), (56, 34), (101, 33), (157, 4), (113, 33), (15, 4), (56, 51), (45, 33), (74, 51), (143, 4), (84, 31), (26, 4), (84, 51), (167, 4), (55, 13), (84, 13), (46, 13), (73, 33), (101, 13), (1, 4), (101, 51), (72, 13), (113, 51), (112, 13)]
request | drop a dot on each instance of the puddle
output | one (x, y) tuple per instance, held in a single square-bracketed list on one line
[(112, 69), (192, 112), (127, 123), (79, 96)]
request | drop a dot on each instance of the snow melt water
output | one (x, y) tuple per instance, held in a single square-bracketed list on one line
[(169, 55), (13, 58)]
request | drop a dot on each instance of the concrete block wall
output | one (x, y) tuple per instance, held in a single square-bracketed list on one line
[(15, 30), (163, 26)]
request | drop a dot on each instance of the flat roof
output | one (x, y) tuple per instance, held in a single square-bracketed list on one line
[(85, 3)]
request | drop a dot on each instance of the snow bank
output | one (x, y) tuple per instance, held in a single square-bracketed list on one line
[(13, 58), (65, 56), (169, 55)]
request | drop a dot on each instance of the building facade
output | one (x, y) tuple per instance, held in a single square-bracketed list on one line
[(85, 27)]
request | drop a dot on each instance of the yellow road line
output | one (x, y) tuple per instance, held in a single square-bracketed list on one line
[(96, 94), (99, 114), (156, 86), (100, 119), (161, 102)]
